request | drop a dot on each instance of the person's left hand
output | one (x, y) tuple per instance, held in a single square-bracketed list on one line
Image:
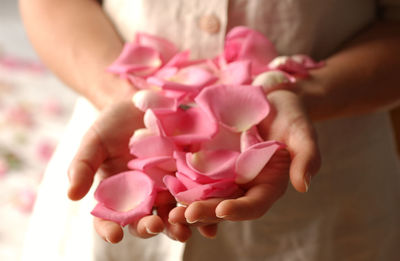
[(288, 123)]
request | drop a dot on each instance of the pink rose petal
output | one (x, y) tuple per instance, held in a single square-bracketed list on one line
[(166, 49), (249, 138), (224, 139), (297, 64), (252, 161), (236, 73), (219, 164), (125, 198), (136, 59), (238, 107), (160, 146), (243, 43), (222, 189), (152, 99), (189, 79), (273, 80), (187, 126), (166, 163)]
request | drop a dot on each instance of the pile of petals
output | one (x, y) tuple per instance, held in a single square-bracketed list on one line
[(200, 138)]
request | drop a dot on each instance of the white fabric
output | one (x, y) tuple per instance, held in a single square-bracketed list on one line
[(351, 211)]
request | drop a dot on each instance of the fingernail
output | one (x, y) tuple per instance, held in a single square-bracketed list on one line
[(192, 221), (307, 181), (221, 216), (108, 240), (150, 232)]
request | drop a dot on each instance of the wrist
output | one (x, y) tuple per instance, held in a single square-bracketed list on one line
[(109, 89)]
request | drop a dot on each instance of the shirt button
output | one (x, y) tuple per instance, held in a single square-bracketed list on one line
[(210, 24)]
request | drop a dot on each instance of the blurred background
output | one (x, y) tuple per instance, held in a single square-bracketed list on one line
[(34, 109)]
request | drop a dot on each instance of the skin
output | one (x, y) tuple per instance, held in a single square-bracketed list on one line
[(322, 96)]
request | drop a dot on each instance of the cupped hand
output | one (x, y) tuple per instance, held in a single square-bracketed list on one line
[(104, 150), (299, 162)]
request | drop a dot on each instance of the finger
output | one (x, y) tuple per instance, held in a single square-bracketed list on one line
[(306, 159), (202, 211), (176, 231), (208, 231), (147, 227), (177, 215), (108, 230), (257, 200), (83, 167)]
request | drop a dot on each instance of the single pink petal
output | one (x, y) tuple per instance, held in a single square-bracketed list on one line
[(160, 146), (166, 163), (152, 99), (287, 64), (221, 189), (236, 73), (238, 107), (249, 138), (179, 60), (224, 139), (155, 167), (136, 59), (152, 123), (219, 164), (124, 198), (173, 184), (252, 161), (137, 81), (243, 43), (189, 79), (166, 49), (186, 126), (273, 80), (182, 167)]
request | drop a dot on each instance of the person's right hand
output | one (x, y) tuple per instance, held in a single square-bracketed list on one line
[(104, 150)]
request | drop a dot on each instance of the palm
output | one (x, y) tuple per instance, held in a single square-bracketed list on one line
[(113, 129)]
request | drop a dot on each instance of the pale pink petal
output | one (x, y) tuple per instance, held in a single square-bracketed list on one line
[(243, 43), (137, 81), (152, 123), (166, 163), (252, 161), (182, 167), (136, 59), (179, 60), (155, 167), (189, 79), (249, 138), (287, 64), (221, 189), (166, 49), (219, 164), (160, 146), (236, 73), (186, 126), (152, 99), (273, 80), (238, 107), (224, 139), (124, 198)]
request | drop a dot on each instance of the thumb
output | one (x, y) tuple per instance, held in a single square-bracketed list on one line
[(306, 158)]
